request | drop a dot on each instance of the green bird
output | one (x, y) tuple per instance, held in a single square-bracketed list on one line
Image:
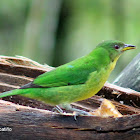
[(77, 80)]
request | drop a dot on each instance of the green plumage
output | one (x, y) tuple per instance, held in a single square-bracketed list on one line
[(76, 80)]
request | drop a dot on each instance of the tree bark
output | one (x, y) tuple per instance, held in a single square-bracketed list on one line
[(39, 122), (130, 76)]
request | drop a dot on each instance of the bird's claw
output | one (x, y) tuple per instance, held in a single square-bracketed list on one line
[(81, 113), (76, 112)]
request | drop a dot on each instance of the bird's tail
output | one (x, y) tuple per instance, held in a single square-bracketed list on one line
[(10, 93)]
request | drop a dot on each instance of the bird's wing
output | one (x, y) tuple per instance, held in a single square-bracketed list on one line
[(68, 74)]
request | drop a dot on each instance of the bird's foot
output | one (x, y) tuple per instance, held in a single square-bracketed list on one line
[(78, 112)]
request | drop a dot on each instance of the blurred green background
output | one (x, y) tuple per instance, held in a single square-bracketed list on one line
[(58, 31)]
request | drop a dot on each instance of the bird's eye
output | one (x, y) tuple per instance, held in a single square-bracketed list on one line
[(116, 47)]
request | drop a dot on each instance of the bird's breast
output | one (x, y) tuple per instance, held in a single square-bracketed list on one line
[(113, 64), (97, 79)]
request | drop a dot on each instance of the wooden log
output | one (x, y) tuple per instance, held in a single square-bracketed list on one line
[(130, 76), (28, 123), (32, 123), (120, 94), (22, 66)]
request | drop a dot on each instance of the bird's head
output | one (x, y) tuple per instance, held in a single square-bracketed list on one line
[(115, 48)]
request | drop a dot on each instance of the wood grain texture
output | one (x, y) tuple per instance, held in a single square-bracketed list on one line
[(39, 122), (29, 123), (130, 76)]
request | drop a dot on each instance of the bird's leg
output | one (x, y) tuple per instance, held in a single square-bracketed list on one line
[(58, 109), (77, 111)]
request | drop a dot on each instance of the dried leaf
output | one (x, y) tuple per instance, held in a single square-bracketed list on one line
[(107, 109)]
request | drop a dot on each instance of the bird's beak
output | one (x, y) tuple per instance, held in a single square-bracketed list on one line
[(128, 47)]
